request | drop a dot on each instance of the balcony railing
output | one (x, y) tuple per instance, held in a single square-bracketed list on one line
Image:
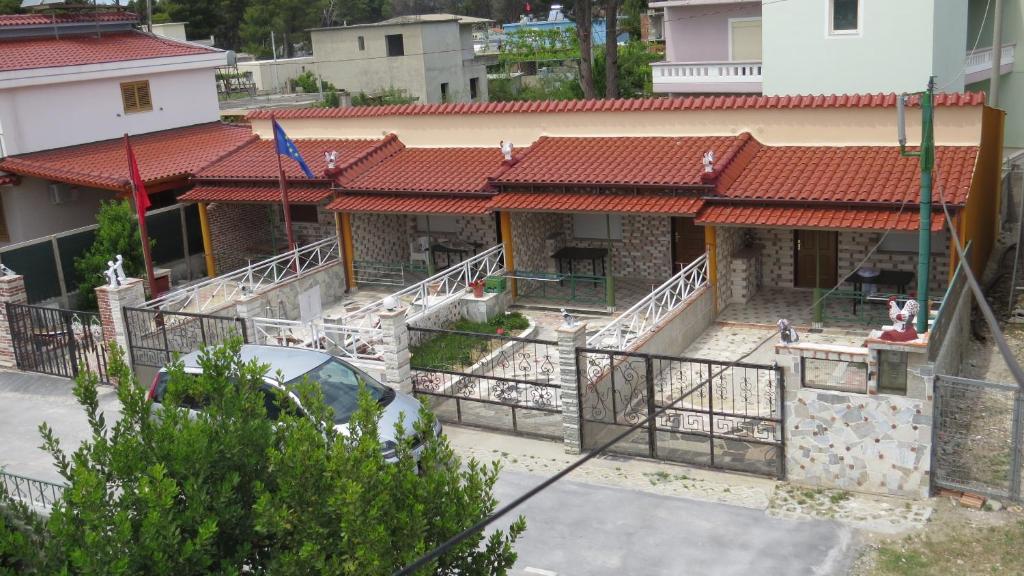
[(979, 63), (707, 76)]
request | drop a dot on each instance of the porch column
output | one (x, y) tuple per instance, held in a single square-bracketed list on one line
[(397, 370), (12, 289), (506, 240), (569, 339), (204, 225), (711, 245), (111, 302), (343, 223)]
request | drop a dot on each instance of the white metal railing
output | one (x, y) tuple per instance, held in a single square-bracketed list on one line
[(980, 60), (706, 72), (434, 291), (350, 343), (645, 315), (217, 292)]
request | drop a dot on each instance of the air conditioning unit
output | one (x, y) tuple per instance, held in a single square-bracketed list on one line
[(60, 193)]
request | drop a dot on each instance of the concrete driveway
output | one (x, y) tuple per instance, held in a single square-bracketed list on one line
[(585, 529)]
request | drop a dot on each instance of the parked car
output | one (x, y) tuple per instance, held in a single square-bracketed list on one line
[(338, 379)]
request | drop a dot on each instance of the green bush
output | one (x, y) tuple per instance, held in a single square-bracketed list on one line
[(383, 97), (117, 233), (310, 83), (453, 351)]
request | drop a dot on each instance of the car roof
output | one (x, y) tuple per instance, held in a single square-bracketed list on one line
[(292, 362)]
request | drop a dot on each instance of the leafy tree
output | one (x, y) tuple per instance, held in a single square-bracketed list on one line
[(611, 49), (226, 490), (288, 19), (10, 7), (634, 70), (584, 33), (20, 537), (117, 232), (203, 16)]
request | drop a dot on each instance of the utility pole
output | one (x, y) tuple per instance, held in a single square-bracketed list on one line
[(997, 54), (926, 154)]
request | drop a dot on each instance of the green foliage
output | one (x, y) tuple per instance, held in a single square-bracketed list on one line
[(634, 65), (331, 100), (20, 537), (453, 351), (310, 83), (383, 97), (288, 19), (227, 491), (117, 233), (10, 7), (553, 87), (539, 45)]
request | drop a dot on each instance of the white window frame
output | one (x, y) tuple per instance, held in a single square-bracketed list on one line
[(729, 31), (831, 32)]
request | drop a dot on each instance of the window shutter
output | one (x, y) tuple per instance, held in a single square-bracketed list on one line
[(136, 96), (142, 93)]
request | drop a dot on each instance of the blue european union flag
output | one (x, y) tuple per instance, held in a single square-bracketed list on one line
[(287, 147)]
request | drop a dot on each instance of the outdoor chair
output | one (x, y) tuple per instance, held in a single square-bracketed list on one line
[(419, 250)]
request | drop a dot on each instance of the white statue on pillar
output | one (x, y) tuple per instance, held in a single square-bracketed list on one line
[(119, 268), (111, 274)]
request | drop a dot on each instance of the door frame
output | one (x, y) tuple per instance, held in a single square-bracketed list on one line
[(796, 255)]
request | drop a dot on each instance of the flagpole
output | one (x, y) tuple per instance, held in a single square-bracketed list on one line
[(143, 229), (284, 190)]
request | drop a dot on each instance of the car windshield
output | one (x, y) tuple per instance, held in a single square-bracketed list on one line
[(340, 385)]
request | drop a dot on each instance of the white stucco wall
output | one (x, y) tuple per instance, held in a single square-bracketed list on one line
[(899, 44), (52, 115), (273, 75), (29, 213)]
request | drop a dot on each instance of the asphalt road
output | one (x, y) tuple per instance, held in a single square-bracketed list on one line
[(581, 529), (573, 528)]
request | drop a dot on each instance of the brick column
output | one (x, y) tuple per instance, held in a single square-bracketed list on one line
[(569, 339), (12, 289), (110, 301), (249, 307), (397, 372)]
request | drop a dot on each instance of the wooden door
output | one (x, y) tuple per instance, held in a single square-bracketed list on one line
[(815, 248), (687, 242)]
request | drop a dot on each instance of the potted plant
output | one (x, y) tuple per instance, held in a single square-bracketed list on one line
[(478, 288)]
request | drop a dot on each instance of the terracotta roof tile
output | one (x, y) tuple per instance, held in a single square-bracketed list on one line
[(850, 174), (19, 20), (824, 217), (632, 105), (432, 170), (257, 160), (79, 50), (252, 193), (393, 203), (162, 155), (604, 203), (6, 179), (621, 161)]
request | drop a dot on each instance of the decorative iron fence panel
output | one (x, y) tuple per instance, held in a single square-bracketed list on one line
[(976, 445), (488, 380), (155, 336), (716, 414), (36, 493), (57, 341)]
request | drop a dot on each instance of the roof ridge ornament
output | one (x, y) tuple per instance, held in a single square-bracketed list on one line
[(709, 161)]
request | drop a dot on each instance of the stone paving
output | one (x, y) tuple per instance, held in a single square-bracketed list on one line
[(794, 304)]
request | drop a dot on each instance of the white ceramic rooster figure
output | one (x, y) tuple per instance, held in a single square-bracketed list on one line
[(902, 321)]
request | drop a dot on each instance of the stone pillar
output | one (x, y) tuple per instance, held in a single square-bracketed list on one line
[(569, 339), (249, 307), (110, 301), (12, 289), (397, 371)]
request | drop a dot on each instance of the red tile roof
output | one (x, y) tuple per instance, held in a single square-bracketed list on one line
[(850, 174), (163, 155), (825, 217), (622, 105), (19, 20), (668, 162), (79, 50), (393, 203), (257, 160), (251, 193), (604, 203), (6, 179), (433, 170)]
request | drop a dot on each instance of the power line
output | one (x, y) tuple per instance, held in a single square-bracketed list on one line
[(448, 544)]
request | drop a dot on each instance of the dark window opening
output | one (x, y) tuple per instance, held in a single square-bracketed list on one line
[(845, 15), (444, 91), (473, 94), (396, 44), (362, 43), (303, 213)]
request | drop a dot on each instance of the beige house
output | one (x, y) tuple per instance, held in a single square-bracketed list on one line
[(430, 57)]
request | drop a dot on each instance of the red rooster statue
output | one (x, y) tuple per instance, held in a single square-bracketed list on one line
[(902, 321)]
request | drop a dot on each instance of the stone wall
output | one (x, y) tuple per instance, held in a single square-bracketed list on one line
[(237, 232), (305, 232), (645, 251), (777, 266), (283, 299), (854, 246), (674, 335), (535, 236), (380, 237), (480, 230), (728, 241)]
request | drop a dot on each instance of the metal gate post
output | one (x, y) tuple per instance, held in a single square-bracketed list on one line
[(781, 379), (652, 429), (1018, 404), (69, 329), (936, 422), (711, 417)]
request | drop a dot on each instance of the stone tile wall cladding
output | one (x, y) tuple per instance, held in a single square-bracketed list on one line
[(305, 232), (236, 230), (644, 252), (728, 241), (386, 238)]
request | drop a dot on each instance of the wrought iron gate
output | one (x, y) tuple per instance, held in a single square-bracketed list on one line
[(57, 341), (976, 445), (722, 415), (488, 380), (155, 336)]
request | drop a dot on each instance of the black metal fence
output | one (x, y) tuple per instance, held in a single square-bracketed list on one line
[(36, 493), (838, 375), (721, 415), (488, 380), (977, 437), (57, 341)]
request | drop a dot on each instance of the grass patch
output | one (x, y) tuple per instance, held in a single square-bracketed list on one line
[(837, 497), (957, 550), (457, 351)]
